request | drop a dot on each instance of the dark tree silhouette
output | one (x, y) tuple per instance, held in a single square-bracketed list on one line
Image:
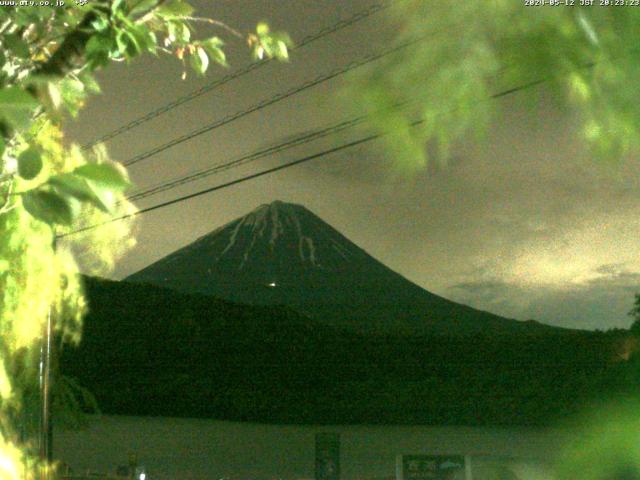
[(635, 313)]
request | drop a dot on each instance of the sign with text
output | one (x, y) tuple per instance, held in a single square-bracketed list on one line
[(327, 456), (430, 467)]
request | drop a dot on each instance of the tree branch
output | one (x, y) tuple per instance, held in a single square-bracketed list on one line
[(150, 13), (217, 23), (71, 50), (6, 206)]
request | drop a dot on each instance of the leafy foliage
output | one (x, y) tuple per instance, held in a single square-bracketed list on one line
[(268, 44), (635, 314), (585, 57), (606, 445), (48, 56)]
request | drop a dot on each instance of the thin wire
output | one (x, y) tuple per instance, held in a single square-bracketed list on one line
[(297, 141), (223, 166), (281, 167), (301, 139), (357, 17), (228, 184), (270, 101)]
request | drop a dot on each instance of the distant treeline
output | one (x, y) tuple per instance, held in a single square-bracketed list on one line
[(151, 351)]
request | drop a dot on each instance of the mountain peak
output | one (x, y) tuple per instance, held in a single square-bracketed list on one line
[(279, 205), (270, 227), (275, 240), (283, 254)]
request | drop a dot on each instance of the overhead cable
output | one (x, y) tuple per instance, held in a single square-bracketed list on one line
[(270, 101), (267, 171), (357, 17)]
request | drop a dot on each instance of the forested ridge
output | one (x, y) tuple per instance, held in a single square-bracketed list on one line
[(152, 351)]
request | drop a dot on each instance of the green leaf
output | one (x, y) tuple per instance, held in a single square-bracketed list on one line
[(2, 145), (143, 7), (108, 175), (175, 8), (55, 96), (29, 164), (49, 207), (84, 190), (16, 45), (267, 46), (73, 94), (144, 38), (127, 44), (273, 45), (134, 46), (71, 184), (98, 49), (171, 32), (262, 29), (282, 53), (100, 24), (200, 60), (282, 37), (212, 43), (152, 42), (258, 52), (213, 47), (183, 32), (16, 106), (178, 32), (117, 5), (90, 83), (97, 44)]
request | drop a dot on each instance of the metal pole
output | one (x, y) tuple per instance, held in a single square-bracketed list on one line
[(45, 434), (45, 391)]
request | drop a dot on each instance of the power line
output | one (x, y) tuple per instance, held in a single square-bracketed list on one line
[(229, 184), (357, 17), (223, 166), (297, 141), (301, 139), (270, 101), (282, 167)]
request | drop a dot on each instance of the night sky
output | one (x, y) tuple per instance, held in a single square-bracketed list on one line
[(523, 224)]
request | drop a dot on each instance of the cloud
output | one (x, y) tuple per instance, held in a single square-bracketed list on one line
[(602, 302), (611, 269)]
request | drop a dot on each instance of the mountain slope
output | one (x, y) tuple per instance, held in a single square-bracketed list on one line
[(283, 254)]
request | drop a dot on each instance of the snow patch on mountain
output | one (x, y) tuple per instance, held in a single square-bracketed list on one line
[(344, 253), (302, 240), (234, 236), (276, 227), (312, 250), (269, 226)]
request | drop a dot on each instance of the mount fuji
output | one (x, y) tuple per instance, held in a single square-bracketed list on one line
[(283, 254)]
